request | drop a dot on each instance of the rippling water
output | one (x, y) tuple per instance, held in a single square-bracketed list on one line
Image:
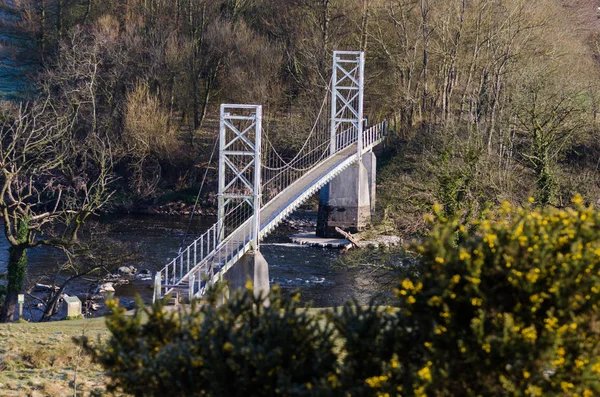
[(311, 270)]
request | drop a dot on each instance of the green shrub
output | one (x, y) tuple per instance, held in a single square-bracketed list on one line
[(226, 350), (507, 305), (368, 337)]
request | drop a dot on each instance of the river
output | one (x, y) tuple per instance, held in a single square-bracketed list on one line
[(314, 271)]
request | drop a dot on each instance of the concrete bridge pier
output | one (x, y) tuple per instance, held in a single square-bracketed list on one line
[(348, 200), (252, 266)]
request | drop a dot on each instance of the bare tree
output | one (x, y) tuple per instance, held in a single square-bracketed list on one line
[(92, 257), (48, 177)]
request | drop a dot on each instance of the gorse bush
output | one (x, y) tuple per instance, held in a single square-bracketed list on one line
[(505, 305)]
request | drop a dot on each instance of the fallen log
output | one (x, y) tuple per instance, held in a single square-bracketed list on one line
[(347, 236)]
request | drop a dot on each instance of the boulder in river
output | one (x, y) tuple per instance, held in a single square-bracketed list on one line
[(106, 287), (126, 270)]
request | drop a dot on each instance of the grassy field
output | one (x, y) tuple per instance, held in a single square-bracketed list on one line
[(40, 359)]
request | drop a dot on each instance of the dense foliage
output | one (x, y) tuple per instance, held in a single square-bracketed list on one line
[(506, 305), (488, 101), (223, 350)]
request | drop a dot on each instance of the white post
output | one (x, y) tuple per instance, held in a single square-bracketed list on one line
[(221, 199), (333, 147), (157, 287), (361, 86), (257, 176), (191, 288)]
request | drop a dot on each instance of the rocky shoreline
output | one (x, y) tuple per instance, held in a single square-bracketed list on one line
[(178, 207), (93, 299)]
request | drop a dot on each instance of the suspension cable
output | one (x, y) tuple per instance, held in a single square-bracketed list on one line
[(286, 163), (212, 154)]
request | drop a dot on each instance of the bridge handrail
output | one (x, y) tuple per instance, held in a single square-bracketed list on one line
[(374, 134)]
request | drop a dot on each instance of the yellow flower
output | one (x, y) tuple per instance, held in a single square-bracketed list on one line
[(486, 347), (565, 386), (526, 374), (407, 284), (439, 259), (529, 334), (424, 373), (573, 326), (559, 362), (456, 278), (535, 391), (376, 381), (227, 346), (577, 199), (434, 301), (465, 255), (411, 300), (588, 393), (550, 323), (476, 301)]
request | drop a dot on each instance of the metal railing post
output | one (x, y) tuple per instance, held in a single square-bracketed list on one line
[(191, 288), (157, 287), (181, 265), (174, 264)]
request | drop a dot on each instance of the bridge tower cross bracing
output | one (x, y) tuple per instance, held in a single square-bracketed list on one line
[(347, 92), (346, 201), (240, 164)]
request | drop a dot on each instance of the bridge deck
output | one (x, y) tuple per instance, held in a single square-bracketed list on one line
[(274, 207)]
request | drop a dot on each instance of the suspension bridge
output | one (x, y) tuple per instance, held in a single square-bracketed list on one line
[(259, 186)]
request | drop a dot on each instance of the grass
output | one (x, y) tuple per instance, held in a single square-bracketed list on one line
[(40, 359)]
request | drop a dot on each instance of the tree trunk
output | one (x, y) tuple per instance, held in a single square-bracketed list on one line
[(52, 305), (425, 33), (59, 26), (364, 26), (17, 259)]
